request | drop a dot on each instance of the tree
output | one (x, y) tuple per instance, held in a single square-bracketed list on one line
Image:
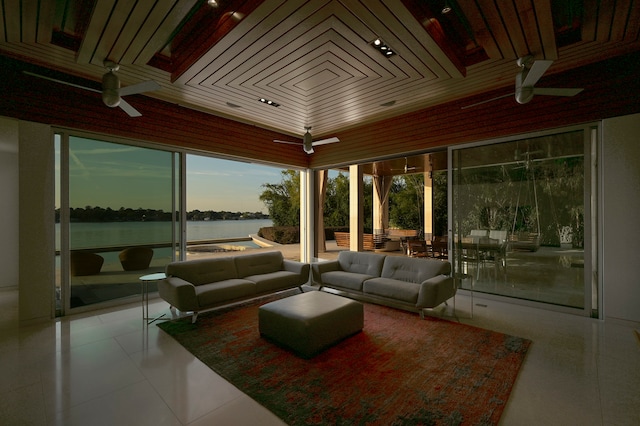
[(440, 215), (336, 206), (406, 202), (283, 199)]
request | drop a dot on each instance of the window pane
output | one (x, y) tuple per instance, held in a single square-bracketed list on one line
[(120, 202), (519, 218)]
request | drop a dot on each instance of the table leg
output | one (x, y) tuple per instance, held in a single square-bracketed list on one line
[(145, 304)]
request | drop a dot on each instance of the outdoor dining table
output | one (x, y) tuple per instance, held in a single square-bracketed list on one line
[(479, 249)]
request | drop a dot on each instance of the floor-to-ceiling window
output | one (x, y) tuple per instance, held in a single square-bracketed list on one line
[(116, 210), (520, 212)]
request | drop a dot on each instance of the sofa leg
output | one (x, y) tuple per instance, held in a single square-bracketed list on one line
[(421, 313), (194, 318)]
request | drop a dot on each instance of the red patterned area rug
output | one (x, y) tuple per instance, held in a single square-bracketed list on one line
[(400, 370)]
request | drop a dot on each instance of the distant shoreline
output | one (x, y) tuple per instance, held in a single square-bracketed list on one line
[(91, 235), (101, 215)]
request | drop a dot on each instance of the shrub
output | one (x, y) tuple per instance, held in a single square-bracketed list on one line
[(281, 234)]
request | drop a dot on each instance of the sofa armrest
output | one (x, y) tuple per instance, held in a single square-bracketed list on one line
[(435, 291), (299, 268), (317, 269), (178, 293)]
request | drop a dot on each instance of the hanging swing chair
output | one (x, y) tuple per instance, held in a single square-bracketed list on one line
[(526, 240)]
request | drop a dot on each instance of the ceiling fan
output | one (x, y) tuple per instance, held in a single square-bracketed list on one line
[(308, 143), (111, 91), (407, 168), (532, 71)]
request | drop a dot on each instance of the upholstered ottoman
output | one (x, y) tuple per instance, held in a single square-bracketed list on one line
[(310, 322)]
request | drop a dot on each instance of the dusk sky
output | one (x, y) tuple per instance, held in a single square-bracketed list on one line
[(111, 175), (214, 184)]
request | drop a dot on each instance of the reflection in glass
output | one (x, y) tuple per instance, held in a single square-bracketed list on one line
[(518, 223), (120, 203)]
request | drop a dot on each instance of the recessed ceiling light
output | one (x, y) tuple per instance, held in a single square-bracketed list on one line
[(212, 3), (232, 105), (383, 48), (388, 104), (268, 102)]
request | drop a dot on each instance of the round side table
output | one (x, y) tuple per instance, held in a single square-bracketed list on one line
[(145, 280)]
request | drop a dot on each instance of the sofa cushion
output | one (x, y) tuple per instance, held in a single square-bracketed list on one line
[(278, 280), (203, 271), (347, 280), (361, 262), (413, 270), (222, 291), (259, 263), (392, 289)]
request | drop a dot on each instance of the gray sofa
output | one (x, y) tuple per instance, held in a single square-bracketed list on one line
[(199, 285), (413, 284)]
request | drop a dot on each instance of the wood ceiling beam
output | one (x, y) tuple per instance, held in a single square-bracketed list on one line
[(160, 24), (45, 21), (97, 23), (515, 32), (494, 22), (546, 29), (204, 30), (483, 34), (11, 9), (620, 19)]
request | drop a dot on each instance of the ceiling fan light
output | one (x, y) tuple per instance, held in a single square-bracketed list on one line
[(110, 98)]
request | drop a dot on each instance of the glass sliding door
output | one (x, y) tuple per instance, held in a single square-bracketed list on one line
[(120, 209), (520, 213)]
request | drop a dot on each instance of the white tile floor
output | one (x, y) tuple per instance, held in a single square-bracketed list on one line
[(108, 368)]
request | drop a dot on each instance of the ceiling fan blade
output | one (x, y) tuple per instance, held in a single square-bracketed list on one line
[(126, 107), (556, 91), (55, 80), (287, 142), (535, 72), (145, 86), (488, 100), (325, 141)]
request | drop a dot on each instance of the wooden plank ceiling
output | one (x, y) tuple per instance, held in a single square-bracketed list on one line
[(315, 58)]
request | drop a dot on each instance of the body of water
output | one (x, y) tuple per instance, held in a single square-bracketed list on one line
[(91, 235)]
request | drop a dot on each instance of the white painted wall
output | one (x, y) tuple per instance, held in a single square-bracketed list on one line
[(36, 173), (620, 221), (9, 196)]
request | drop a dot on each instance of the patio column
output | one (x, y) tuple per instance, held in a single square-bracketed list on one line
[(321, 177), (356, 208), (381, 189), (307, 210), (428, 205)]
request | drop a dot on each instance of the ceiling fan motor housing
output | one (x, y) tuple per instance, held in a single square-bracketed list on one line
[(307, 142), (523, 93), (111, 89)]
